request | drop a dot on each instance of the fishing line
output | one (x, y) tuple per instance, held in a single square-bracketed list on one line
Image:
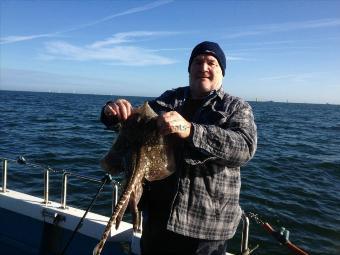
[(106, 179)]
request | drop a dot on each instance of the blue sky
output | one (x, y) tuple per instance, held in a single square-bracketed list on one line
[(276, 50)]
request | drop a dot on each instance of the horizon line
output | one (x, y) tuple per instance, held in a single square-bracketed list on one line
[(256, 100)]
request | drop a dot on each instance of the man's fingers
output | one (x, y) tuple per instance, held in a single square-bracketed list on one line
[(128, 108), (124, 108), (116, 109), (123, 112), (109, 111)]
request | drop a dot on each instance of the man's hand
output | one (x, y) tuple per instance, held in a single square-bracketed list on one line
[(173, 123), (121, 108)]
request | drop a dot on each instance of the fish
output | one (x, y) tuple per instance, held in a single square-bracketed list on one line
[(145, 154)]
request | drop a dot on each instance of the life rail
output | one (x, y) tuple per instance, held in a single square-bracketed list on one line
[(65, 175)]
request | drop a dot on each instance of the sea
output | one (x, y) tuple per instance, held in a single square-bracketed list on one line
[(293, 181)]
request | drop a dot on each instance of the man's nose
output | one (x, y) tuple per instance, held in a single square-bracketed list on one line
[(204, 66)]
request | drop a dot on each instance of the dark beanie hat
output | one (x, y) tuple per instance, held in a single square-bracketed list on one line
[(210, 48)]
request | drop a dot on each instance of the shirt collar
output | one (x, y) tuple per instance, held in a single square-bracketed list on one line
[(219, 93)]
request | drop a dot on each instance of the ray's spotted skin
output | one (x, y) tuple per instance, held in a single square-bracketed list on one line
[(145, 154)]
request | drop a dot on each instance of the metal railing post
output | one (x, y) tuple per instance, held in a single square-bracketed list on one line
[(245, 233), (64, 191), (46, 186), (4, 175), (114, 195)]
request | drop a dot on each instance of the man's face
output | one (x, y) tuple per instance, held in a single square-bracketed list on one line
[(205, 75)]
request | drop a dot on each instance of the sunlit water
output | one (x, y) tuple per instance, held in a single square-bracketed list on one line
[(293, 180)]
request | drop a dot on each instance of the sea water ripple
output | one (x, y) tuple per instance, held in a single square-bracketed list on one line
[(293, 180)]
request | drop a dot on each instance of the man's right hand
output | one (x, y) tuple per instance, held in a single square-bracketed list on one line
[(121, 109)]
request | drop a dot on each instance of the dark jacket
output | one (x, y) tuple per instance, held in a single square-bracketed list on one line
[(205, 203)]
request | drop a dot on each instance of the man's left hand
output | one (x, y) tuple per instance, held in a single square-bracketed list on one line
[(173, 123)]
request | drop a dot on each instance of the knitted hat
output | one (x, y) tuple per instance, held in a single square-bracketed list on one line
[(210, 48)]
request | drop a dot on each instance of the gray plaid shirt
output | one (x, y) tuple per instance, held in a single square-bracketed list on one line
[(206, 204)]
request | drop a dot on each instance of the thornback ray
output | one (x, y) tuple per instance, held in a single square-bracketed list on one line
[(145, 154)]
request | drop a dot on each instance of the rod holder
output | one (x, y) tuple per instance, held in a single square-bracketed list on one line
[(114, 195), (46, 186), (245, 233), (4, 175), (64, 190)]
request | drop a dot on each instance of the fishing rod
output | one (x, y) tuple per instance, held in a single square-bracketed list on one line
[(106, 179), (281, 236), (22, 161)]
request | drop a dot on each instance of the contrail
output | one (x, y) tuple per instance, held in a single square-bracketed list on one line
[(127, 12), (20, 38), (13, 39)]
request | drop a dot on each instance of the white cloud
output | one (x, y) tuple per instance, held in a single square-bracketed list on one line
[(128, 37), (301, 77), (288, 26), (122, 55), (31, 80), (171, 49), (112, 50), (234, 58)]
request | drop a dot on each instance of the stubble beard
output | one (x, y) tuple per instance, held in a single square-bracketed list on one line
[(199, 89)]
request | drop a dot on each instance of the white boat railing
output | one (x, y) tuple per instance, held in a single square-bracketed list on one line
[(65, 177)]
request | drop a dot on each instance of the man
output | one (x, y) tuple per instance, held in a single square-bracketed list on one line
[(196, 210)]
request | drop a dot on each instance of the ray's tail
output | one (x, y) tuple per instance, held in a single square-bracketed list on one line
[(136, 177)]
